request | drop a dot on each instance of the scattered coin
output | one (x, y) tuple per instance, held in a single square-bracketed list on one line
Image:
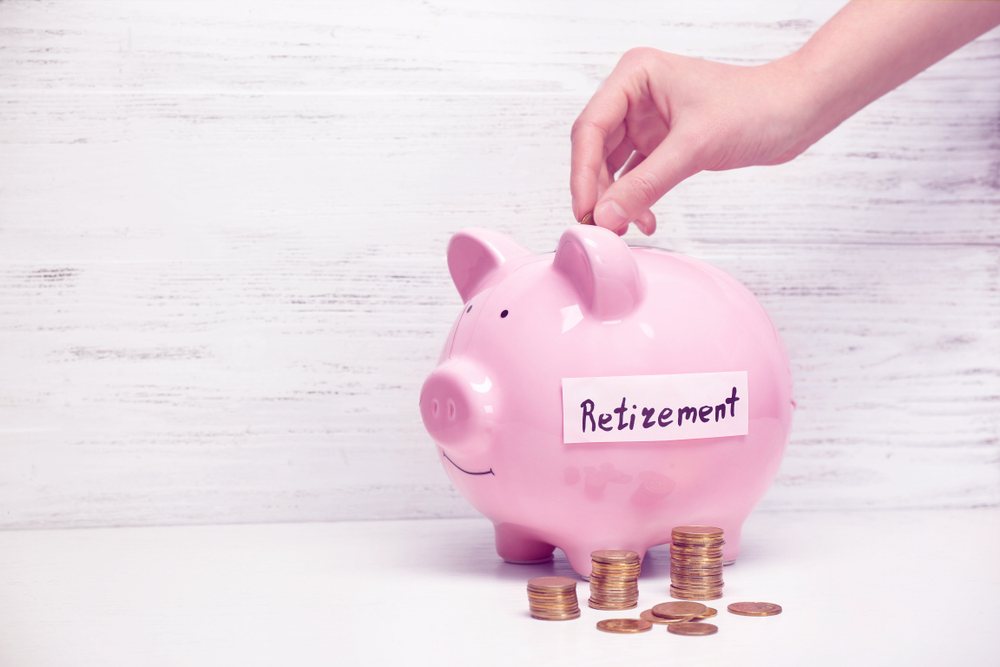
[(692, 629), (614, 579), (624, 625), (553, 598), (709, 613), (648, 615), (755, 608), (671, 610)]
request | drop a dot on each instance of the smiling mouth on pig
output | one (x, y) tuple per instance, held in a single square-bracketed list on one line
[(467, 472)]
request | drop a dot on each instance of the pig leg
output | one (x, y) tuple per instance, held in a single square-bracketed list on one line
[(731, 549), (731, 533), (515, 545)]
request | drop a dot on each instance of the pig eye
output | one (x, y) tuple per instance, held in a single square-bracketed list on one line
[(469, 309), (503, 313)]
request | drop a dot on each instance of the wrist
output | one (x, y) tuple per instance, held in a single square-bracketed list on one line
[(813, 104)]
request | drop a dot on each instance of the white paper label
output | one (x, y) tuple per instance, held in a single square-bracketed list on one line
[(645, 408)]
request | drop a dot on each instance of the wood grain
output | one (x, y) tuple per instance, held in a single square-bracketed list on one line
[(222, 230)]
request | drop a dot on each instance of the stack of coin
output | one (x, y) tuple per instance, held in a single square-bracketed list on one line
[(553, 598), (696, 563), (614, 579)]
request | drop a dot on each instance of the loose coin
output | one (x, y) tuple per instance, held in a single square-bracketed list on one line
[(709, 613), (588, 219), (648, 615), (755, 608), (679, 609), (624, 625), (693, 629)]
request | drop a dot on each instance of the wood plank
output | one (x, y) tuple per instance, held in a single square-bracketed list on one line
[(395, 47), (222, 231), (174, 391), (380, 45), (217, 166)]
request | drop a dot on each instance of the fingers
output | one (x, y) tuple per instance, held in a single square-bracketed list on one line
[(646, 181), (619, 156), (646, 222), (635, 160), (595, 127), (623, 160), (603, 181)]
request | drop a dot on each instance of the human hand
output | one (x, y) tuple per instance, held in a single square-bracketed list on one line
[(661, 117)]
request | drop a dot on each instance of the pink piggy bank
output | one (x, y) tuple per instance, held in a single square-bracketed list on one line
[(597, 397)]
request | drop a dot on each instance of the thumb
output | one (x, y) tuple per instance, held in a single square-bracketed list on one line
[(636, 191)]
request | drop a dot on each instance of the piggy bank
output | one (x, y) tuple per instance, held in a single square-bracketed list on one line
[(598, 396)]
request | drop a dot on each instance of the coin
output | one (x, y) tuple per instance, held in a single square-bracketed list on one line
[(624, 625), (755, 608), (693, 629), (588, 219), (546, 583), (614, 579), (708, 613), (696, 562), (697, 531), (613, 555), (648, 615), (678, 609), (553, 598)]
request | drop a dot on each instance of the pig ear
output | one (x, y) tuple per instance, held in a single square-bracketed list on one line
[(602, 269), (474, 254)]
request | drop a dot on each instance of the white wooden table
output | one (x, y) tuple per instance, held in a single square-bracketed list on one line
[(874, 588)]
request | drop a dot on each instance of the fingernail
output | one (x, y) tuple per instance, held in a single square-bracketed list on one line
[(611, 215)]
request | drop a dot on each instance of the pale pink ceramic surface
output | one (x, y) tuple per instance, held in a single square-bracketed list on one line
[(597, 308)]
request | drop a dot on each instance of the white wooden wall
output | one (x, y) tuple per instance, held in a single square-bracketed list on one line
[(222, 229)]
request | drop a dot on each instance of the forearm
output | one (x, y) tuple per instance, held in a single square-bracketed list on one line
[(872, 46)]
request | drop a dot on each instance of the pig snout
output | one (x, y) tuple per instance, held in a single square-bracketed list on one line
[(457, 403)]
